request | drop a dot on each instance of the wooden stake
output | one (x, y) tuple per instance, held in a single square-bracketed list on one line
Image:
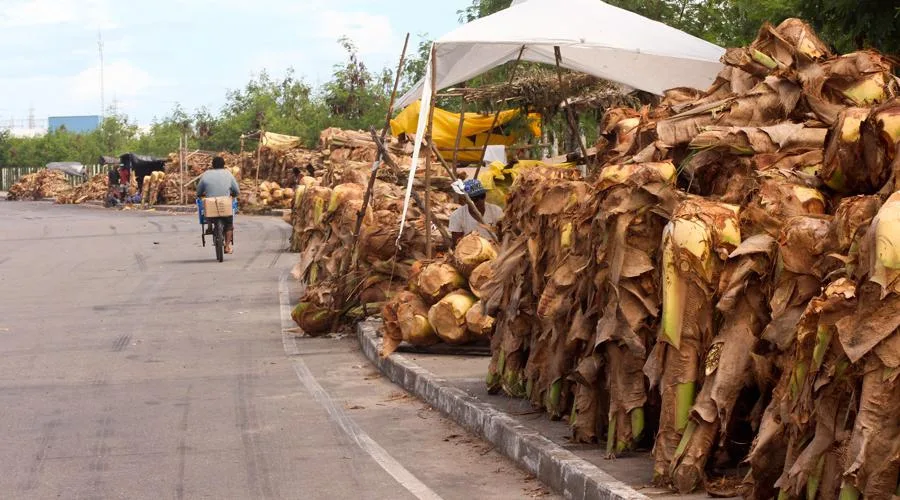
[(572, 125), (181, 169), (459, 129), (381, 153), (428, 131), (259, 154), (414, 195), (487, 140)]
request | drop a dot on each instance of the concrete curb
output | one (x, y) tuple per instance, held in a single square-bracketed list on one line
[(558, 468)]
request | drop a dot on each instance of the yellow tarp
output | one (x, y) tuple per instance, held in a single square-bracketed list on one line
[(497, 179), (474, 130), (279, 141)]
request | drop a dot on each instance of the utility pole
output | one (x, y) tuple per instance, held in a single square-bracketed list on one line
[(102, 99)]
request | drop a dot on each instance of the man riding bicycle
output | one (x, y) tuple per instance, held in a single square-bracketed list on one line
[(219, 182)]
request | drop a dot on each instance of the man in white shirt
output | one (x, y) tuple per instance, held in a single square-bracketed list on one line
[(462, 222)]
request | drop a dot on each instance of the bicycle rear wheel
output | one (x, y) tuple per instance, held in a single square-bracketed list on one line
[(219, 238)]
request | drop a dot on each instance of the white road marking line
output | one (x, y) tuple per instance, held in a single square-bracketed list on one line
[(348, 426)]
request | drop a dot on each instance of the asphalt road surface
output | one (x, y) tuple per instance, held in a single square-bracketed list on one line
[(135, 366)]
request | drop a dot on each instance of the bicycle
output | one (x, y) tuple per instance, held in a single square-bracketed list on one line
[(215, 226)]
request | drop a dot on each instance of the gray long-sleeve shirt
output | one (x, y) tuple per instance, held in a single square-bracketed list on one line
[(217, 182)]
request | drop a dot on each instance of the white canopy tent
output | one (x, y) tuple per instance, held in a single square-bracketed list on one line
[(593, 37)]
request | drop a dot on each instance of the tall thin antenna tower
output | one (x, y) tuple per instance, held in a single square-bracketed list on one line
[(102, 97)]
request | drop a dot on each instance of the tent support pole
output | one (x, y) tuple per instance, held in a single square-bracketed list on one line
[(428, 131), (571, 117), (459, 130), (487, 140)]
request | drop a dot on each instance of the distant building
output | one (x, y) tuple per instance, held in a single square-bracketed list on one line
[(75, 124)]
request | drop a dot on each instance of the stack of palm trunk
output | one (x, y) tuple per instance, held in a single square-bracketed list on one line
[(177, 187), (441, 302), (349, 277), (39, 185), (273, 195), (151, 188), (354, 145), (200, 161), (726, 290), (277, 164), (94, 189)]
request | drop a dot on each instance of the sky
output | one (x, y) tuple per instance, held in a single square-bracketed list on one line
[(159, 53)]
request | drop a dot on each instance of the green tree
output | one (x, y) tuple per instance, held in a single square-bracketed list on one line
[(856, 24), (356, 97), (5, 145), (286, 106), (415, 64), (116, 133), (481, 8)]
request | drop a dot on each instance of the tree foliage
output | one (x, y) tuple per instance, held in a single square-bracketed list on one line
[(415, 64), (856, 24)]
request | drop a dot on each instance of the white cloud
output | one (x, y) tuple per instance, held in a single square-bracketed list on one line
[(371, 33), (30, 13), (121, 79)]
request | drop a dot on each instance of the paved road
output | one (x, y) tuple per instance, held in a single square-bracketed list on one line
[(135, 366)]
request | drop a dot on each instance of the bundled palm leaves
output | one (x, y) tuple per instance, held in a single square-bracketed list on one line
[(349, 276), (726, 289)]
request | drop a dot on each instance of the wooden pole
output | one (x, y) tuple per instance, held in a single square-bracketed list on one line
[(259, 154), (381, 152), (415, 196), (459, 130), (181, 168), (241, 156), (428, 131), (572, 125), (487, 140), (184, 163)]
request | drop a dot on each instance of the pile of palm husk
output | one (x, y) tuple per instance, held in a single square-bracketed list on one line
[(39, 185), (364, 274), (441, 302), (93, 190), (725, 288)]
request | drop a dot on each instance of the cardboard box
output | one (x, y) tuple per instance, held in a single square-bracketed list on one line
[(219, 206)]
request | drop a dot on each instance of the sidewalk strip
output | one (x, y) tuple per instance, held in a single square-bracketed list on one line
[(335, 413), (558, 468)]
